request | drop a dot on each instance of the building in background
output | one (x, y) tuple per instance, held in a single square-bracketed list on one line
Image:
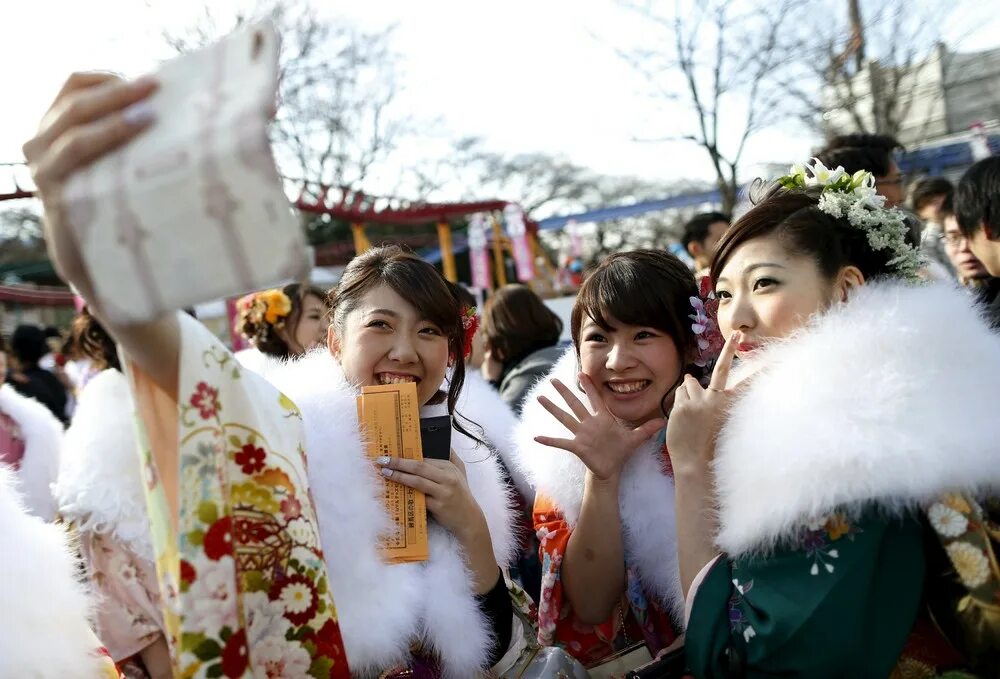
[(945, 109)]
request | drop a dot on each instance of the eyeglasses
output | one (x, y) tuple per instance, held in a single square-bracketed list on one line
[(898, 181), (955, 240)]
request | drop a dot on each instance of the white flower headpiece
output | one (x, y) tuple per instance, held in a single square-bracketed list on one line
[(853, 197)]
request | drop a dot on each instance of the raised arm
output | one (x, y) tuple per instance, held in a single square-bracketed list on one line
[(92, 115)]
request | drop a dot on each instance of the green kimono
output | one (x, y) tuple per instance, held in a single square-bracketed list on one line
[(829, 474), (837, 600)]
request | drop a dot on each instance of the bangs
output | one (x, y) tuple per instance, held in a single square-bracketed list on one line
[(620, 293), (644, 288), (425, 291)]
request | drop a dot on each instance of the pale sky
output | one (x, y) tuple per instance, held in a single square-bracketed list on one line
[(528, 75)]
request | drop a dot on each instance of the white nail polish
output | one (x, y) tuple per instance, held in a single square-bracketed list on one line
[(139, 113), (386, 472), (384, 460)]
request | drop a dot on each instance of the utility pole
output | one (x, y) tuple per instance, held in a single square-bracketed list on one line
[(857, 42)]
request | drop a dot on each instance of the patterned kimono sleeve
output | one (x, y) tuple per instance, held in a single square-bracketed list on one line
[(838, 600), (557, 624), (242, 578)]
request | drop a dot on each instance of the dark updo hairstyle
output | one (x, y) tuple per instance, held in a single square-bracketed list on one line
[(90, 338), (651, 288), (262, 334), (422, 286), (794, 218), (516, 323)]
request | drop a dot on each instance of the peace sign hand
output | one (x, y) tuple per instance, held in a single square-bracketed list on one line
[(603, 443), (698, 414)]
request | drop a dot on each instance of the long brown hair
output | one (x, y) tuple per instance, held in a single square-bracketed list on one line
[(422, 286), (93, 341)]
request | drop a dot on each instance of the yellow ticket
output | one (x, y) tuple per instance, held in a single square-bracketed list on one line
[(390, 418)]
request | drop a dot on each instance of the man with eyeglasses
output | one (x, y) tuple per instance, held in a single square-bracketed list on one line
[(977, 206), (961, 247)]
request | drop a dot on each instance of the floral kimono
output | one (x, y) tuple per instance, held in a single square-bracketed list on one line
[(244, 586), (101, 495), (833, 473), (651, 608)]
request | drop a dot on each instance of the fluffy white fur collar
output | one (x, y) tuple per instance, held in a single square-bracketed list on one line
[(43, 629), (42, 434), (646, 496), (890, 398), (383, 608), (100, 477)]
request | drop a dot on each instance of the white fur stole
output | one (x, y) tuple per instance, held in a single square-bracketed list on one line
[(43, 629), (42, 434), (384, 608), (891, 399)]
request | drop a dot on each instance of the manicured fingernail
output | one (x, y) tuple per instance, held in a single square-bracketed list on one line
[(386, 472), (384, 460), (143, 83), (139, 113)]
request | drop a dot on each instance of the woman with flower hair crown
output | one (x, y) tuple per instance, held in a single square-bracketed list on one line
[(591, 442), (828, 477)]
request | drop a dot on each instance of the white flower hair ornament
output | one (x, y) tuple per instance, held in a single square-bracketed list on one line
[(853, 197)]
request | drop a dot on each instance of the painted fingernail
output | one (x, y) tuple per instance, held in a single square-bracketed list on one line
[(386, 472), (384, 460), (143, 83), (139, 113)]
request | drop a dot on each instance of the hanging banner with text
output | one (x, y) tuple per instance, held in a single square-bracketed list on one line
[(518, 233), (479, 258)]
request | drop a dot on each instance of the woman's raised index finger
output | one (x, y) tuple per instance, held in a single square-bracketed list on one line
[(720, 375)]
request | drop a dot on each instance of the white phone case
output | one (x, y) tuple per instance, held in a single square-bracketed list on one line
[(193, 208)]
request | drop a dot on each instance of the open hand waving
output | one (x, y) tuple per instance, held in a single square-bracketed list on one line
[(603, 443)]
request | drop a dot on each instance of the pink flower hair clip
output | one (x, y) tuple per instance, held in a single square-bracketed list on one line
[(705, 324)]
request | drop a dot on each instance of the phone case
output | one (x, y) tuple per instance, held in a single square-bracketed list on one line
[(193, 208), (435, 437)]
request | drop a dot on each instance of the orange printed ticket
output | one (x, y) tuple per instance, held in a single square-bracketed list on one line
[(390, 418)]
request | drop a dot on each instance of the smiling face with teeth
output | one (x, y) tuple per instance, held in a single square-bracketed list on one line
[(386, 340), (632, 366)]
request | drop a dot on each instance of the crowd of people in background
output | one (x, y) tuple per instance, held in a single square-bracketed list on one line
[(781, 459)]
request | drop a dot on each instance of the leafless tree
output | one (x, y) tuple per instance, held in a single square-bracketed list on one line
[(336, 121), (719, 60), (876, 67)]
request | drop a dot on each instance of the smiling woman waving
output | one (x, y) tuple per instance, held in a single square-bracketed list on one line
[(591, 441)]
